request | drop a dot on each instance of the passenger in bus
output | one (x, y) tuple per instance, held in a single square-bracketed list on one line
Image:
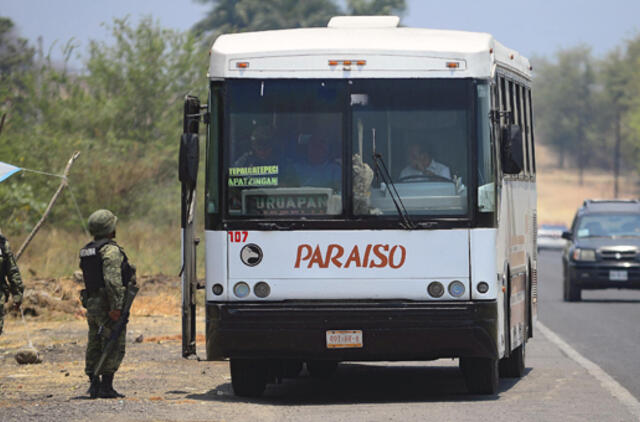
[(262, 149), (421, 163), (318, 169)]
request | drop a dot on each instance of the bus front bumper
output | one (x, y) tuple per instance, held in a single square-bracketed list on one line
[(390, 330)]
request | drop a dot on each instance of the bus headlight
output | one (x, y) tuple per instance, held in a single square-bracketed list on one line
[(482, 287), (217, 289), (261, 289), (584, 254), (435, 289), (456, 288), (241, 289)]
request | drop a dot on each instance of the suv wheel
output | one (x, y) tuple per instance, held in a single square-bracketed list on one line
[(572, 293)]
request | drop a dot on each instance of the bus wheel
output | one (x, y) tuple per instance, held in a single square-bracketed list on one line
[(513, 366), (248, 377), (322, 368), (291, 368), (481, 375)]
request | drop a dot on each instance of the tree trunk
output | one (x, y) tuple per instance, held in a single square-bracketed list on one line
[(63, 184)]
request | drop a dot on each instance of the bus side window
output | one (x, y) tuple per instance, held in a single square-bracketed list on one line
[(522, 124), (527, 128), (513, 107), (495, 98), (531, 132), (504, 106)]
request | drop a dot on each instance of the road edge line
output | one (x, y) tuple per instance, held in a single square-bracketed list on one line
[(607, 381)]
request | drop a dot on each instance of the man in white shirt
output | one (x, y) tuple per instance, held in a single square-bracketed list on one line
[(421, 163)]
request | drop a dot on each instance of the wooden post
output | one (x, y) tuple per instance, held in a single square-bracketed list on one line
[(63, 184)]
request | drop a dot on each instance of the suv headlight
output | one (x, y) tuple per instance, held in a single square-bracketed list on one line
[(584, 254)]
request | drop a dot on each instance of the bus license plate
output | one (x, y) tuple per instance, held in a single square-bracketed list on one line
[(618, 275), (344, 339)]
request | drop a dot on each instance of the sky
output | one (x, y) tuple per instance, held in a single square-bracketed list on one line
[(535, 28)]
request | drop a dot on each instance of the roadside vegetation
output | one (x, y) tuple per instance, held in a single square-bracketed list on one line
[(123, 112)]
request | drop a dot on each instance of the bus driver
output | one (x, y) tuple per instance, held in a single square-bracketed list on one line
[(421, 163)]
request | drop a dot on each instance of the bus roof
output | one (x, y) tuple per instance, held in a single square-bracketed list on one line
[(375, 46)]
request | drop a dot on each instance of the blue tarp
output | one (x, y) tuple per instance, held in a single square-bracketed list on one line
[(6, 170)]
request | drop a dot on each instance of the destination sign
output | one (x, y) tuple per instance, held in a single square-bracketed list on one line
[(286, 204)]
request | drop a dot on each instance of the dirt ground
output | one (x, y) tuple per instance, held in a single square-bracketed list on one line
[(158, 383)]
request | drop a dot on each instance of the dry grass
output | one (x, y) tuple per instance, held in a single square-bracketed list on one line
[(560, 194), (54, 252), (59, 298)]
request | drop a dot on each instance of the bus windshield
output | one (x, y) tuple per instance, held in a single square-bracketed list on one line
[(420, 129), (285, 147), (290, 144)]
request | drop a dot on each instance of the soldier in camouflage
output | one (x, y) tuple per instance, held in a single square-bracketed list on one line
[(107, 273), (10, 281)]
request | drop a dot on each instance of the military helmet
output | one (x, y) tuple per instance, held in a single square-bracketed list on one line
[(102, 223)]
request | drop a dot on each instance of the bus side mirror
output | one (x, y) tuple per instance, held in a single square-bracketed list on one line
[(512, 154), (189, 144), (189, 158), (567, 235)]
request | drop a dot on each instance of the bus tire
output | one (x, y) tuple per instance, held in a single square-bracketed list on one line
[(248, 377), (481, 375), (322, 368), (514, 365), (291, 368)]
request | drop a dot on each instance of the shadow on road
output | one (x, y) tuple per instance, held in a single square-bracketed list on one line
[(611, 300), (361, 383)]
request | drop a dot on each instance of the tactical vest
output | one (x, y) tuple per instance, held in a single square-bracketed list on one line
[(91, 265)]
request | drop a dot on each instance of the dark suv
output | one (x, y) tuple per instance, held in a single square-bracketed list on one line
[(603, 251)]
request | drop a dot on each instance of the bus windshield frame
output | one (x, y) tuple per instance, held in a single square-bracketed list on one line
[(334, 120)]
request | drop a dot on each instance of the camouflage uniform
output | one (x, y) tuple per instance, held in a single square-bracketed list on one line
[(10, 281), (98, 306), (106, 281)]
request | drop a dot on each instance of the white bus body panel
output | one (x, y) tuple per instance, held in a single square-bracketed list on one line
[(323, 265), (216, 263), (516, 231), (388, 53)]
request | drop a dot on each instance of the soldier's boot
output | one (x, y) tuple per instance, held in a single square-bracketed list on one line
[(106, 388), (94, 388)]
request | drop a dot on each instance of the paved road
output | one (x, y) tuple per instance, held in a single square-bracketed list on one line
[(160, 386), (604, 327)]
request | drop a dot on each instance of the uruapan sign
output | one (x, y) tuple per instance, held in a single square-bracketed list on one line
[(367, 256)]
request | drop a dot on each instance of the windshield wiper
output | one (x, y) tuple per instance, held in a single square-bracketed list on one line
[(386, 178), (274, 226)]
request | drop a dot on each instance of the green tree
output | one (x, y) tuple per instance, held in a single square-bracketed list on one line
[(131, 118), (565, 105), (376, 7), (123, 115), (631, 120), (615, 75), (229, 16)]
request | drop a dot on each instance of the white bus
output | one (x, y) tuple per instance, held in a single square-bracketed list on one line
[(370, 196)]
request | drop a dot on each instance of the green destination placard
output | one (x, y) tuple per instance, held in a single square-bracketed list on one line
[(255, 176)]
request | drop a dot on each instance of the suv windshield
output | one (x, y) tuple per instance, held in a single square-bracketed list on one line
[(609, 225)]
